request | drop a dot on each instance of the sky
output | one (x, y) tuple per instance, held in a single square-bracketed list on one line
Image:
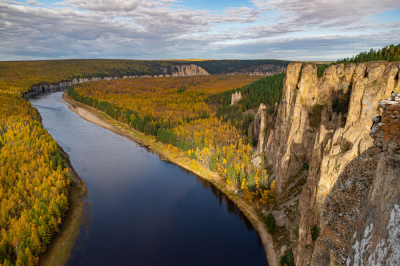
[(202, 29)]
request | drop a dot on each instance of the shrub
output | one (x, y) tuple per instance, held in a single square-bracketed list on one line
[(192, 155), (270, 223), (287, 259), (321, 70), (314, 233), (346, 146), (212, 165)]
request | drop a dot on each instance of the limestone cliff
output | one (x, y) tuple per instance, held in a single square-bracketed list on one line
[(184, 71), (324, 123), (263, 70), (360, 219)]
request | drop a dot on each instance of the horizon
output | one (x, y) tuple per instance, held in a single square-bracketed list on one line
[(171, 30), (184, 59)]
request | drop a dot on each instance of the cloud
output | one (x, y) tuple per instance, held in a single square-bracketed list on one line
[(326, 13), (237, 14), (317, 46), (34, 2), (165, 29)]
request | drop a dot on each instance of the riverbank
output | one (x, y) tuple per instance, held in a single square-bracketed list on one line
[(175, 156), (61, 245)]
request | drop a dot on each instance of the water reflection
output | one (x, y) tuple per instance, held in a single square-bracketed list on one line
[(230, 205)]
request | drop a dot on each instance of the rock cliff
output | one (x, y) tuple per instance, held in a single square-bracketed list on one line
[(184, 71), (324, 123), (237, 96), (260, 129), (360, 219), (263, 70)]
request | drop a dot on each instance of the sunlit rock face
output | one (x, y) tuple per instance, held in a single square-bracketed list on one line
[(360, 219), (237, 96), (313, 127), (186, 70), (260, 126)]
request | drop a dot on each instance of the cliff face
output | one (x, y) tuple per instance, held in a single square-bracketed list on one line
[(260, 123), (314, 126), (263, 70), (185, 71), (172, 71), (360, 219)]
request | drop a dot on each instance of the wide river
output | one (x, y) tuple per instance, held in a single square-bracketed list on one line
[(142, 210)]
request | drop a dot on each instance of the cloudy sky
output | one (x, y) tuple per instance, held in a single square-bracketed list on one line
[(211, 29)]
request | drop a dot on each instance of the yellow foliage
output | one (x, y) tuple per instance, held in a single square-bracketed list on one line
[(193, 165), (33, 182), (248, 196), (171, 100)]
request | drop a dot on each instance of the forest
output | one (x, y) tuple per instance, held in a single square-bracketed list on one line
[(266, 90), (179, 113), (226, 66), (388, 53), (166, 101), (19, 77), (33, 183)]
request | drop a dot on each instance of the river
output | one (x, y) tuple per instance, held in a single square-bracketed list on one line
[(141, 210)]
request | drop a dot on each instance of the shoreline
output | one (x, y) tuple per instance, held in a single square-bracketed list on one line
[(101, 119), (61, 245)]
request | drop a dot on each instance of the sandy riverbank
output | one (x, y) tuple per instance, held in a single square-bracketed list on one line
[(61, 245), (94, 116)]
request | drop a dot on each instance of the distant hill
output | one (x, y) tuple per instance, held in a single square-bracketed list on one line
[(263, 67)]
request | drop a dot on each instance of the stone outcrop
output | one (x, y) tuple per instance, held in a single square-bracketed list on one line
[(263, 70), (172, 71), (260, 123), (360, 219), (314, 126), (236, 96), (184, 71)]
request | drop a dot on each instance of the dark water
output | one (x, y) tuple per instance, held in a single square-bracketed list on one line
[(142, 210)]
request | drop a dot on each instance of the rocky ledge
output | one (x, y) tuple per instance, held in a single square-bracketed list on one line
[(386, 128)]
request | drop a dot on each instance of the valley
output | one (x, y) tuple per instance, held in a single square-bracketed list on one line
[(310, 156)]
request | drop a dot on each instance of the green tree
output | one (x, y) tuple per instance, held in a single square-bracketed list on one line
[(270, 223)]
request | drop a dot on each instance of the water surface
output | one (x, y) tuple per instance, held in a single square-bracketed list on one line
[(142, 210)]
